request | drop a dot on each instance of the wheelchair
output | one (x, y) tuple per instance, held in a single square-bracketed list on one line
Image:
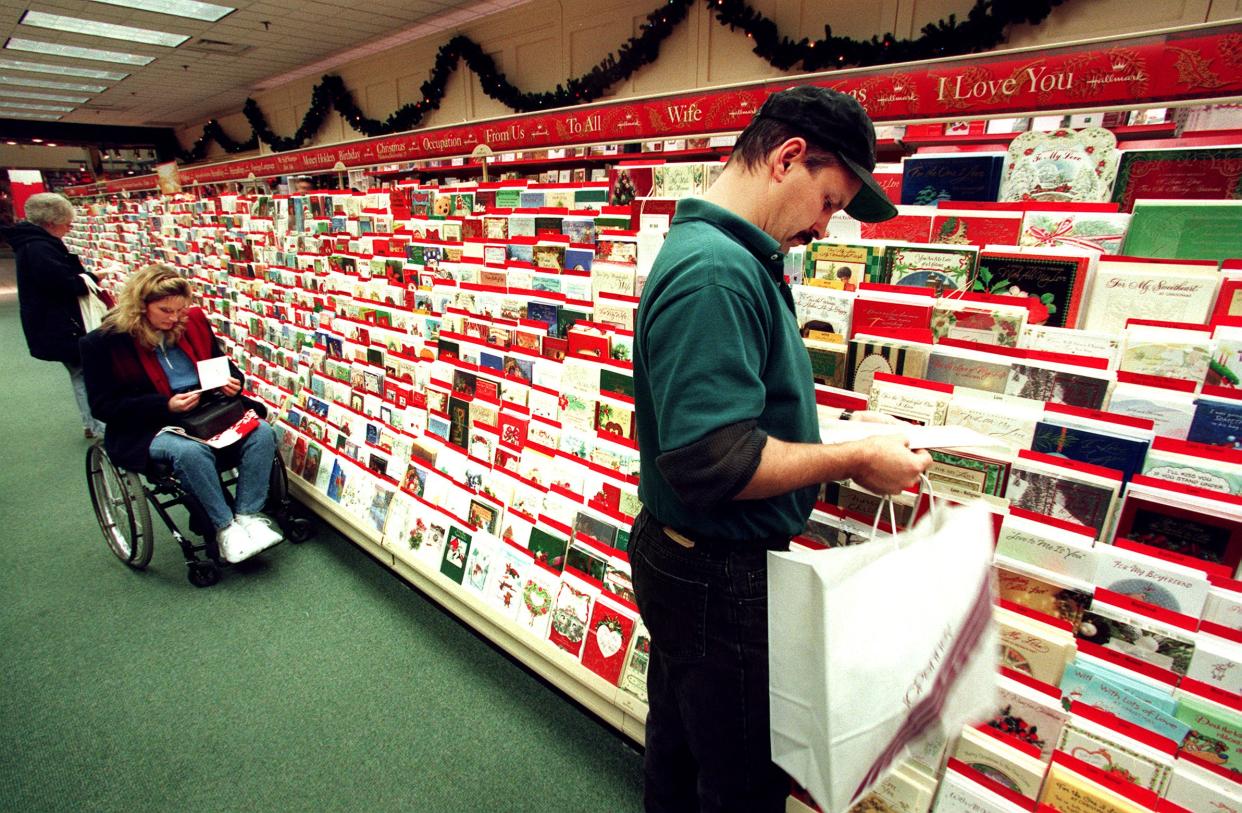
[(121, 497)]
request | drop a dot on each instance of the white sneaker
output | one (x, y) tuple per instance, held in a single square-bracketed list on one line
[(262, 533), (234, 542)]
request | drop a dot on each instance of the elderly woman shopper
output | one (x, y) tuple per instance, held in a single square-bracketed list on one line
[(50, 279), (142, 376)]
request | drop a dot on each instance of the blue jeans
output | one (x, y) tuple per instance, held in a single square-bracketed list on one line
[(195, 466), (708, 745), (79, 395)]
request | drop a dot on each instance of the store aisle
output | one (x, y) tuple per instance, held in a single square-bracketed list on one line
[(312, 680)]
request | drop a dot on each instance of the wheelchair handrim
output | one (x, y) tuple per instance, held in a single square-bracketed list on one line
[(107, 498)]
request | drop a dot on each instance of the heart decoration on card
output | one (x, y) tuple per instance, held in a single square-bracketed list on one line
[(1101, 758), (608, 637)]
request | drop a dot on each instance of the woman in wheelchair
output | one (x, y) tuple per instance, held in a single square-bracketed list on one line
[(141, 369)]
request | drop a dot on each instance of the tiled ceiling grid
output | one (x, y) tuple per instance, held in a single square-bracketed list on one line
[(192, 82)]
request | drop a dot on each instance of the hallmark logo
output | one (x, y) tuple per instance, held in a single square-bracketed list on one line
[(928, 673)]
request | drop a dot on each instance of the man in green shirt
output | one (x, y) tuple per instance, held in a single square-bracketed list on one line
[(731, 457)]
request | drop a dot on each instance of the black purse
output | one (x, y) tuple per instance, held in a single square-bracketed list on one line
[(215, 413)]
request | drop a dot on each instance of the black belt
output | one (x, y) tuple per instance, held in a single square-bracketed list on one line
[(712, 544)]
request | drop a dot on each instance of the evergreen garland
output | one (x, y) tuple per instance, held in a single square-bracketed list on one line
[(983, 28)]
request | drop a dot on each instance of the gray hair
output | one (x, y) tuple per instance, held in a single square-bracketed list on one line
[(48, 209)]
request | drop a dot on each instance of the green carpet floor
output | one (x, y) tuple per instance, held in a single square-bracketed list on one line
[(311, 679)]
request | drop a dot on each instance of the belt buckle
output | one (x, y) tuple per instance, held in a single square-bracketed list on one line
[(681, 539)]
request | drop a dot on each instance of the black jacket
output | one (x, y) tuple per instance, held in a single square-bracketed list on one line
[(49, 283), (124, 398)]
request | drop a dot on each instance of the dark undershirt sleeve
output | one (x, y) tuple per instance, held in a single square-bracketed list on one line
[(717, 467)]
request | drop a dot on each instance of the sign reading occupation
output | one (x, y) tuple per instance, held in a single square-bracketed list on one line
[(1195, 65)]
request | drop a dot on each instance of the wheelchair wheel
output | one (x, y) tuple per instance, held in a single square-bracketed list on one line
[(299, 529), (120, 502), (202, 574)]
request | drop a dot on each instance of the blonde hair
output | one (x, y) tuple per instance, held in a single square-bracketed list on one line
[(146, 285)]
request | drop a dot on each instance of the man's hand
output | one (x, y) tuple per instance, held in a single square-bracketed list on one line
[(183, 402), (232, 388), (886, 465)]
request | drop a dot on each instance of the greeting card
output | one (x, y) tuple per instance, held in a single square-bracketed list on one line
[(926, 180), (867, 357), (1091, 231), (1115, 753), (1209, 173), (1055, 436), (1150, 575), (540, 587), (1050, 284), (1062, 165), (1186, 230), (942, 268), (1030, 711), (486, 551), (571, 613), (1216, 729), (633, 678), (1127, 288), (1047, 595), (842, 265), (1007, 761), (985, 322), (608, 638), (1064, 490), (975, 227), (1058, 385)]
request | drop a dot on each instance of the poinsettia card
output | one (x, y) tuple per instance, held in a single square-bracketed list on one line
[(1051, 284), (982, 318)]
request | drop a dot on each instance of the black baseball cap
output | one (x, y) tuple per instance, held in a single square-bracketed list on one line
[(836, 122)]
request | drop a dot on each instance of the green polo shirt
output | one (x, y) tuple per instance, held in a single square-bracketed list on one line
[(717, 343)]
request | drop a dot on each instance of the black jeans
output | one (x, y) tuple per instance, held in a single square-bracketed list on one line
[(708, 745)]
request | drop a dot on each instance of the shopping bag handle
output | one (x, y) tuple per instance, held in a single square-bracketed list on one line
[(934, 503)]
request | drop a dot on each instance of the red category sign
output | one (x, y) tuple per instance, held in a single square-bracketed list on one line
[(1195, 65)]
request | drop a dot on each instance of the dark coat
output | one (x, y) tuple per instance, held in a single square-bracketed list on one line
[(123, 396), (49, 283)]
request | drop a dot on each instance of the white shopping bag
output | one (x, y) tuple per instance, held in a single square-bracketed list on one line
[(877, 645), (91, 305)]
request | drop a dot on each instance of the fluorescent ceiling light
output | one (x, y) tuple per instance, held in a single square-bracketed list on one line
[(76, 52), (23, 82), (178, 8), (40, 116), (46, 97), (59, 108), (75, 25), (63, 70)]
